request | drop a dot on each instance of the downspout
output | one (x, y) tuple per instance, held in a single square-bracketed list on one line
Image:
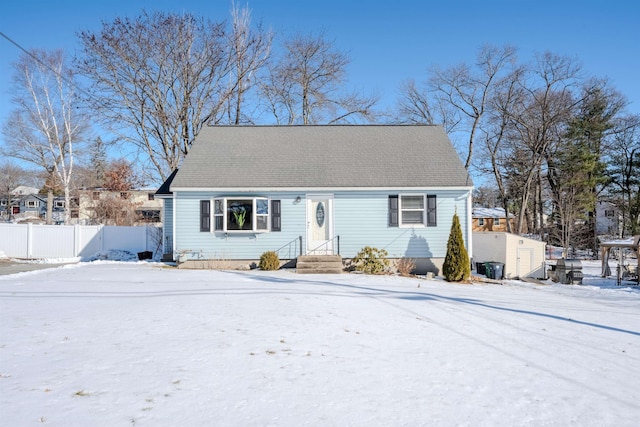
[(469, 224), (173, 227)]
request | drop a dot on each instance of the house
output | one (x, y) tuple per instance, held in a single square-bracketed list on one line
[(140, 205), (608, 219), (10, 204), (23, 190), (332, 189), (522, 257), (490, 219), (32, 206)]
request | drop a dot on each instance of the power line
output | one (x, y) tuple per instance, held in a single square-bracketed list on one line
[(54, 71)]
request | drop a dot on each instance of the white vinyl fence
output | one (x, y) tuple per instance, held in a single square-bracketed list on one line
[(32, 241)]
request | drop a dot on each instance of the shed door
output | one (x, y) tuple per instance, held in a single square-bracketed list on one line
[(525, 262), (319, 225)]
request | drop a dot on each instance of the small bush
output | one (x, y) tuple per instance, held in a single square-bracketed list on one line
[(406, 266), (371, 260), (269, 261)]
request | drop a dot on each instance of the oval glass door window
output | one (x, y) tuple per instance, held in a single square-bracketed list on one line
[(320, 214)]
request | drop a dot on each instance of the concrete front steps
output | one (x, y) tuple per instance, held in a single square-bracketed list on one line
[(319, 264)]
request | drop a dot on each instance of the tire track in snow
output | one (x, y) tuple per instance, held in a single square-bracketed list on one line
[(443, 304)]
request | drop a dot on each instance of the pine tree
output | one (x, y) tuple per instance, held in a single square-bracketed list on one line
[(456, 265), (98, 160)]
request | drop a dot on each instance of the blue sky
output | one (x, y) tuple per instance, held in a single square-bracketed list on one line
[(387, 41)]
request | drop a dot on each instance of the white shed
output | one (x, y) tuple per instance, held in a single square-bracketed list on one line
[(521, 256)]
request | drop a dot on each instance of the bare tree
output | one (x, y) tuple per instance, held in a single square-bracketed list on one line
[(418, 105), (11, 176), (306, 85), (115, 209), (157, 80), (469, 90), (495, 135), (624, 170), (539, 119), (250, 49), (114, 206), (414, 105), (47, 125)]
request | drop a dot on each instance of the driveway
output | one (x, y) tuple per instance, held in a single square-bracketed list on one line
[(13, 267)]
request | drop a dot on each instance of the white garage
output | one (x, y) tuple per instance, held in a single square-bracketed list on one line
[(521, 256)]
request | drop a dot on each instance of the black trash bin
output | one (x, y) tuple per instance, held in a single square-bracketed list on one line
[(488, 267), (481, 269), (498, 270)]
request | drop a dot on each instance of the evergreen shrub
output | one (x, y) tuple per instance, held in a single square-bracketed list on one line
[(457, 266), (371, 260), (269, 261)]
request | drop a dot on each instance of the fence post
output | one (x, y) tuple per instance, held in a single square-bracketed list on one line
[(101, 233), (29, 240), (76, 239)]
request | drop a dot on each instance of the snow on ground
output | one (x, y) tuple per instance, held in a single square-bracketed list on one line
[(109, 343)]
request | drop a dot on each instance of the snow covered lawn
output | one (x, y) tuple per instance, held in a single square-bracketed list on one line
[(121, 344)]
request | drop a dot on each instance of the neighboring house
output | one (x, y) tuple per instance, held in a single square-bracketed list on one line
[(23, 190), (32, 205), (9, 206), (608, 219), (490, 219), (334, 189), (142, 202)]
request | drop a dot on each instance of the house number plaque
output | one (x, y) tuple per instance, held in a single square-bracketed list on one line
[(320, 214)]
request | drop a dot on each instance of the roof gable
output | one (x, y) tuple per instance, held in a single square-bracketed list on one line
[(328, 156), (32, 197), (488, 213)]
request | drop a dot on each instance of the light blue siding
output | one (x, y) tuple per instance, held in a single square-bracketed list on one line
[(167, 225), (227, 246), (360, 219)]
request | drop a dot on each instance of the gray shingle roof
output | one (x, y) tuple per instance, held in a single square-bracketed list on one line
[(329, 156)]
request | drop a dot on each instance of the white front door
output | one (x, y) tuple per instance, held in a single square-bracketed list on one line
[(319, 224)]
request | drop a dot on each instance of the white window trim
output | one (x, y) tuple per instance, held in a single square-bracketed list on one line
[(480, 222), (254, 215), (401, 224)]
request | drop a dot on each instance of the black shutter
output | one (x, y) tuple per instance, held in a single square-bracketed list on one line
[(432, 214), (393, 211), (205, 215), (275, 216)]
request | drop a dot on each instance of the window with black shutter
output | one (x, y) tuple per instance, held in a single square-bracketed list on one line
[(205, 215), (432, 213), (276, 224), (393, 211)]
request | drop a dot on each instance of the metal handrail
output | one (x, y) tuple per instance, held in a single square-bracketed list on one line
[(297, 241), (326, 244)]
